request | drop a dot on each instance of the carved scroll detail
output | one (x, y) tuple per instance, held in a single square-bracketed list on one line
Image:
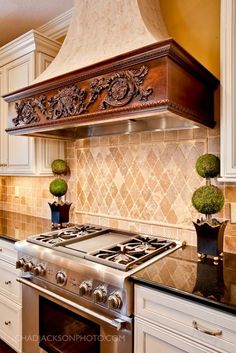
[(121, 88), (26, 112)]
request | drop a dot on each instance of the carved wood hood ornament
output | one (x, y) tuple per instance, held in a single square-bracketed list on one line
[(156, 85), (121, 88)]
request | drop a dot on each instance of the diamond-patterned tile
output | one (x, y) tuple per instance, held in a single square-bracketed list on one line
[(144, 177)]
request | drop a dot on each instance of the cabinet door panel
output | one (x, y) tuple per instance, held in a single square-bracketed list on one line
[(179, 314), (150, 338), (19, 74), (7, 251), (27, 59), (47, 151), (10, 323), (8, 284), (19, 150)]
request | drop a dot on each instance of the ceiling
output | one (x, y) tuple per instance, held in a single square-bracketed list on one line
[(20, 16)]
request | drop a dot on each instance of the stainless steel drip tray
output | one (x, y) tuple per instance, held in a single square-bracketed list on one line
[(99, 242)]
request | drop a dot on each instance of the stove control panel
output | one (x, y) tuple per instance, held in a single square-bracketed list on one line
[(39, 270), (28, 266), (114, 301), (20, 263), (61, 278), (85, 288), (91, 289), (100, 294)]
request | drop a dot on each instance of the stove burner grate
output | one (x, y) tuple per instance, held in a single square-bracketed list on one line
[(66, 235), (132, 252)]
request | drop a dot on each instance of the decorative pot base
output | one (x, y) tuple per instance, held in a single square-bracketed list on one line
[(210, 239), (215, 258), (59, 213)]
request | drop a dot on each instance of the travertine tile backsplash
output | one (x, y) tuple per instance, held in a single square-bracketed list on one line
[(142, 182)]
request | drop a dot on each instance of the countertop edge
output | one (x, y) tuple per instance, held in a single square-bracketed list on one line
[(184, 295), (8, 238)]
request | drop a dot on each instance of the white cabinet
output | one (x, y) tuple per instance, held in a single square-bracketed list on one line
[(168, 324), (228, 91), (10, 297), (21, 61), (150, 338)]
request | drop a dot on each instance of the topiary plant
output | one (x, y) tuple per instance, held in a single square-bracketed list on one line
[(208, 165), (58, 188), (208, 199), (59, 166)]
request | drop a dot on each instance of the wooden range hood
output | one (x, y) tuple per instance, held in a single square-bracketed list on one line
[(157, 87)]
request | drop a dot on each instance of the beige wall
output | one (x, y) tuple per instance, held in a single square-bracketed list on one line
[(195, 24)]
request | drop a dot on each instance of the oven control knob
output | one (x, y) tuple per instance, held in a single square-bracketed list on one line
[(61, 278), (114, 301), (100, 294), (85, 288), (39, 270), (27, 267), (20, 263)]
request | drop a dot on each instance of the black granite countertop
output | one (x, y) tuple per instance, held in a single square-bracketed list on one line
[(183, 275), (17, 226)]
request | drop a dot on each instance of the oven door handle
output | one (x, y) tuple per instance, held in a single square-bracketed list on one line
[(118, 324)]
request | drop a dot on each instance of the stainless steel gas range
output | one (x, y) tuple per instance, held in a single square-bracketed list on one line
[(76, 281)]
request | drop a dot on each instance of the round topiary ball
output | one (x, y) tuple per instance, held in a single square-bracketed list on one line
[(58, 187), (59, 166), (208, 199), (208, 165)]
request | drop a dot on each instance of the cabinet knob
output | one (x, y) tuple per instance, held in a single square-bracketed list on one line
[(7, 323), (7, 282)]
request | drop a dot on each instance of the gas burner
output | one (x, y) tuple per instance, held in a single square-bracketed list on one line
[(66, 235), (144, 244), (131, 252), (120, 255)]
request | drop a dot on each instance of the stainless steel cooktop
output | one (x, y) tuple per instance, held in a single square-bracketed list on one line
[(114, 248), (90, 264)]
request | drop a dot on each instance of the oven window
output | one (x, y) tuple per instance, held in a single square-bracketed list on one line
[(62, 331)]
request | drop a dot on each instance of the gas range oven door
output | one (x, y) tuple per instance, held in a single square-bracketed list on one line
[(54, 324)]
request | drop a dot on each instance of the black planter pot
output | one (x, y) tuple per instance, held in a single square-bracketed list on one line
[(210, 238), (59, 213)]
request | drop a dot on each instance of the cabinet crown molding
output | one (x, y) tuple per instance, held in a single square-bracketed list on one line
[(28, 42), (57, 27)]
